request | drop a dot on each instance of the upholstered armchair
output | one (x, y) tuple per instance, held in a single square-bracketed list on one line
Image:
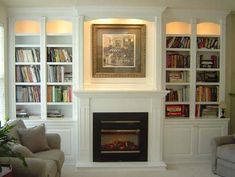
[(223, 156), (42, 154)]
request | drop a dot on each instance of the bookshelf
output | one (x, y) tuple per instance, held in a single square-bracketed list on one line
[(59, 61), (27, 67), (43, 68), (193, 70), (178, 70)]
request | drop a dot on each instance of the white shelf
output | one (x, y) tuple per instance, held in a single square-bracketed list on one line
[(178, 35), (27, 63), (208, 69), (207, 83), (177, 69), (178, 49), (29, 103), (27, 34), (177, 83), (28, 83), (60, 83), (207, 103), (27, 46), (208, 50), (59, 34), (175, 103), (60, 63), (60, 45), (217, 36), (60, 103)]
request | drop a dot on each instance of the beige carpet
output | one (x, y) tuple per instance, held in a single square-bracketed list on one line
[(179, 170)]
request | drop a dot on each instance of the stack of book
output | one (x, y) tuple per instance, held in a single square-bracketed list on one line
[(22, 113), (27, 94), (177, 110), (178, 42), (176, 76), (207, 76), (174, 60), (59, 94), (207, 93), (55, 73), (206, 111), (54, 114), (209, 62), (208, 43), (58, 55), (27, 74), (27, 55), (178, 94)]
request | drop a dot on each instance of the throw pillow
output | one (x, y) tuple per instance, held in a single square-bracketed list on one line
[(34, 138), (18, 149), (18, 123)]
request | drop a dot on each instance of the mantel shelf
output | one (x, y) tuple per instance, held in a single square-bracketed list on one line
[(120, 93)]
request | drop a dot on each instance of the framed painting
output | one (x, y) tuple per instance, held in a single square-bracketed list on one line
[(118, 50)]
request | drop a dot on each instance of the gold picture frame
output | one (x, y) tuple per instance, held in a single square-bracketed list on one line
[(118, 50)]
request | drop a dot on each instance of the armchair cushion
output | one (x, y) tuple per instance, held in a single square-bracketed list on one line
[(226, 152), (18, 149), (34, 138)]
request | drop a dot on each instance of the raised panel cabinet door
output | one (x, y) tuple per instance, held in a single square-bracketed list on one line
[(178, 141), (205, 135)]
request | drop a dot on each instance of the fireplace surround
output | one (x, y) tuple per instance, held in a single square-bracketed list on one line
[(120, 136), (151, 102)]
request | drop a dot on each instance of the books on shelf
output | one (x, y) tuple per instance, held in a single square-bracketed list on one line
[(208, 43), (27, 94), (207, 93), (175, 60), (27, 55), (59, 54), (177, 42), (177, 110), (206, 111), (178, 94), (55, 74), (176, 76), (55, 113), (207, 76), (27, 74), (211, 61), (59, 94)]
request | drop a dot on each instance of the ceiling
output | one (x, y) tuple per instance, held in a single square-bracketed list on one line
[(203, 4)]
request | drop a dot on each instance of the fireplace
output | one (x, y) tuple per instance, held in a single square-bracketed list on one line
[(120, 137)]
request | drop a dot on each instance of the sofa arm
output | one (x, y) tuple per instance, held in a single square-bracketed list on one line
[(53, 140), (219, 141), (36, 167)]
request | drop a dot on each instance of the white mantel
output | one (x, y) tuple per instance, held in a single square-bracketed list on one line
[(121, 101)]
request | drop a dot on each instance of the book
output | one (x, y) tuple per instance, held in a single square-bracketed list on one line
[(177, 110)]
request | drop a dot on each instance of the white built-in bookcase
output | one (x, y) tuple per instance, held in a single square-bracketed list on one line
[(194, 65), (53, 40)]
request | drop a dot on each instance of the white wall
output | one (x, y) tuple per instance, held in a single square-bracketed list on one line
[(3, 21)]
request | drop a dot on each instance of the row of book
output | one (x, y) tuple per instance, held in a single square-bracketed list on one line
[(59, 54), (177, 111), (178, 42), (27, 55), (27, 94), (207, 76), (58, 74), (175, 60), (207, 111), (27, 74), (59, 94), (211, 61), (178, 94), (208, 43), (177, 76), (207, 93)]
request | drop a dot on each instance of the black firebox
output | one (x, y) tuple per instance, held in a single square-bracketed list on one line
[(120, 137)]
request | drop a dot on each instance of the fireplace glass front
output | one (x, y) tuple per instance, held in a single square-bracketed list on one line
[(120, 137)]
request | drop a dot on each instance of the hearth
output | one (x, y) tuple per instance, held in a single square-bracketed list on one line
[(120, 137)]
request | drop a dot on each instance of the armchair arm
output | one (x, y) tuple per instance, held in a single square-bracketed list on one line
[(219, 141), (53, 140), (36, 167)]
